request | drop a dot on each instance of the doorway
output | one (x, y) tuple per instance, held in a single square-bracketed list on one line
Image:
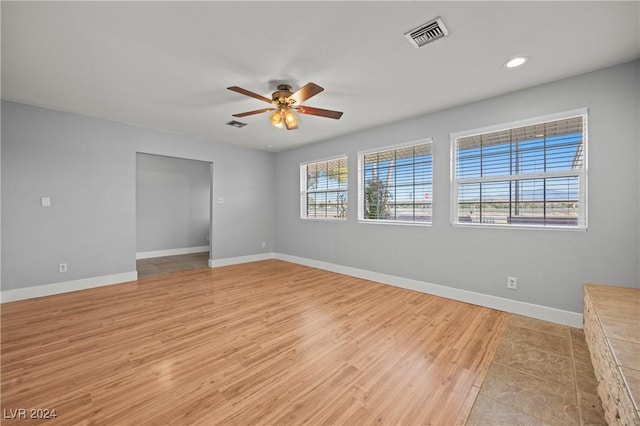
[(173, 214)]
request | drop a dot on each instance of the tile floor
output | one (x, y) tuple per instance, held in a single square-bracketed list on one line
[(167, 264), (541, 375)]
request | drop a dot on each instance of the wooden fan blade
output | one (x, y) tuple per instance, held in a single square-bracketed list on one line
[(257, 111), (248, 93), (319, 112), (305, 92)]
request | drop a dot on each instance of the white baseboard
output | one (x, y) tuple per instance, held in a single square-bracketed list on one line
[(545, 313), (171, 252), (214, 263), (65, 287)]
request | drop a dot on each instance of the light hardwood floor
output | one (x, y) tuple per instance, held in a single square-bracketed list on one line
[(260, 343), (167, 264)]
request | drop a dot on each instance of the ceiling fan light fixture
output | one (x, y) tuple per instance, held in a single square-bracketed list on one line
[(291, 118), (276, 118)]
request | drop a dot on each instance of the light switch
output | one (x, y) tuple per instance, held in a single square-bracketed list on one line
[(46, 202)]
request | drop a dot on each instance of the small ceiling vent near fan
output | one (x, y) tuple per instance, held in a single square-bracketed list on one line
[(427, 33), (285, 103)]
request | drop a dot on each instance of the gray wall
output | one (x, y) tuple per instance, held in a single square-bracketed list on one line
[(88, 168), (173, 202), (551, 265)]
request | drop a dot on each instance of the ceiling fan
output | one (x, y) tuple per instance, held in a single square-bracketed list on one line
[(285, 102)]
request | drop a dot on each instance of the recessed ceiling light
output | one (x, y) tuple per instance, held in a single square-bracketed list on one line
[(515, 62)]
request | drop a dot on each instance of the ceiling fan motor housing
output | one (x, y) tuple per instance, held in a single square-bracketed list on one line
[(281, 96)]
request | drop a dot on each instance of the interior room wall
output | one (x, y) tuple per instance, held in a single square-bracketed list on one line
[(173, 201), (551, 265), (87, 167)]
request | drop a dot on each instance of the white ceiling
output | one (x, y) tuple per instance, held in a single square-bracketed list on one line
[(167, 65)]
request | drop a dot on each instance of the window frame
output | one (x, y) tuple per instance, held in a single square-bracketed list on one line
[(361, 203), (582, 173), (304, 191)]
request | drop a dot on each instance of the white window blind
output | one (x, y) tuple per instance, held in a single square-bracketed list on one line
[(395, 184), (323, 189), (526, 175)]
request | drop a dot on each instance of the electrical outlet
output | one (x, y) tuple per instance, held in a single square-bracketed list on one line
[(512, 283), (264, 244), (62, 267)]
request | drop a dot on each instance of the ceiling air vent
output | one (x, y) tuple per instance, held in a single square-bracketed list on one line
[(426, 33), (237, 124)]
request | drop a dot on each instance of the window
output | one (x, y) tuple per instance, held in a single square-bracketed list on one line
[(395, 184), (323, 189), (528, 174)]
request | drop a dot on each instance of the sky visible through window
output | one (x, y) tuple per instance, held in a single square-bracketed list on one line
[(533, 189), (502, 177), (409, 179), (326, 189), (398, 184)]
